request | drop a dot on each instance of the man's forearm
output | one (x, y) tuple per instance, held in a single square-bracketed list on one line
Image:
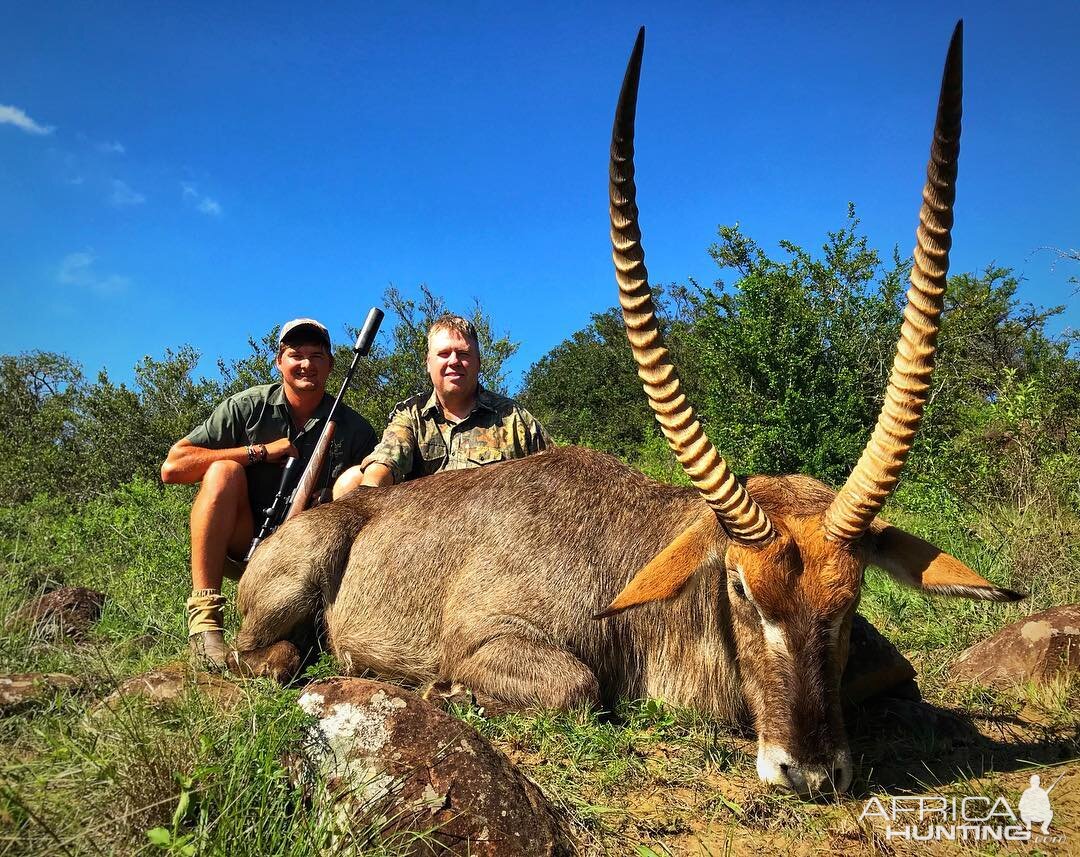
[(377, 475), (188, 464)]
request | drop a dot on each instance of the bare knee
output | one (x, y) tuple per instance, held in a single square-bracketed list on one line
[(224, 476), (224, 482)]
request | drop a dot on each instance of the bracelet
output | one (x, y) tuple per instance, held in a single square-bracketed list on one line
[(261, 449), (252, 455)]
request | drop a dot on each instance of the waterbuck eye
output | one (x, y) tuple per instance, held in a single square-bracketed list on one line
[(736, 584)]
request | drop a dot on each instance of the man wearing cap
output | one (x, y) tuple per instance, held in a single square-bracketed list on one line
[(237, 455), (459, 424)]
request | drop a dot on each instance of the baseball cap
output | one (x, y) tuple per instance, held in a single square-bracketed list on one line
[(305, 325)]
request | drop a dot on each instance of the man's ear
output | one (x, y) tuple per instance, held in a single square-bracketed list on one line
[(666, 574), (917, 563)]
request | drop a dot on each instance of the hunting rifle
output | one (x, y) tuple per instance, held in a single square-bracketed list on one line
[(297, 485)]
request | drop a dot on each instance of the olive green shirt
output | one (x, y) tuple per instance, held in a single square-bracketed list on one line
[(420, 440), (261, 415)]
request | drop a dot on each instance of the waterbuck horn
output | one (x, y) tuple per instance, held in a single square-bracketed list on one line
[(875, 475), (734, 507)]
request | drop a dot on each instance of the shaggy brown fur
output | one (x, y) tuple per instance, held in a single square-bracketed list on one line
[(492, 577)]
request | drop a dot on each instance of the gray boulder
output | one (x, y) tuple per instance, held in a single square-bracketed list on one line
[(1036, 649), (170, 684), (391, 759), (22, 690)]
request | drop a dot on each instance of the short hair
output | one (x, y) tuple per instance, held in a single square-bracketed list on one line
[(302, 337), (448, 321)]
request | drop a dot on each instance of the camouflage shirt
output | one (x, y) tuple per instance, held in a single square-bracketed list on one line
[(420, 440), (261, 415)]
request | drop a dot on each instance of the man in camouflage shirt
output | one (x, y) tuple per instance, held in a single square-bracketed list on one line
[(459, 424)]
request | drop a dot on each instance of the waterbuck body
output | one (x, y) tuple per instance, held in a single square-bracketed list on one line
[(568, 578), (478, 574)]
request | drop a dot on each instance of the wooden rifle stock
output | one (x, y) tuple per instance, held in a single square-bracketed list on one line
[(310, 477)]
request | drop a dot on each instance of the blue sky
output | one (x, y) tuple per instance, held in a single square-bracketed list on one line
[(195, 173)]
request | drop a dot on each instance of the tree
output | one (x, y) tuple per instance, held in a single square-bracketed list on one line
[(253, 369), (1004, 413), (39, 396), (1071, 255), (395, 372), (127, 431), (391, 372), (796, 352), (586, 390)]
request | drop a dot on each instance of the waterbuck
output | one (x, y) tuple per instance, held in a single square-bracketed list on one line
[(516, 578)]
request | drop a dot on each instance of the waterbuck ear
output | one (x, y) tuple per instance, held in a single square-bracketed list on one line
[(666, 574), (915, 562)]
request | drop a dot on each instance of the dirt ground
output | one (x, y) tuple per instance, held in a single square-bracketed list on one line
[(903, 750)]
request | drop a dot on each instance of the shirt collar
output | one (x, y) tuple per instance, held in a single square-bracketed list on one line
[(277, 399), (483, 402), (276, 395)]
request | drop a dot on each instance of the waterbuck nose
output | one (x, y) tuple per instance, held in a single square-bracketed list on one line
[(777, 767)]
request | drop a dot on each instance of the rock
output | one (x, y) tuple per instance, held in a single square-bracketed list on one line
[(20, 690), (170, 684), (875, 667), (391, 758), (65, 612), (1036, 649)]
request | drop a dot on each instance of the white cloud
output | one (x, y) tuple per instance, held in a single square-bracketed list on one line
[(203, 204), (111, 148), (77, 269), (209, 206), (124, 195), (11, 115)]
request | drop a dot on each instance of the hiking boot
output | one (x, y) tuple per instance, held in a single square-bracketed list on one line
[(206, 634), (208, 648)]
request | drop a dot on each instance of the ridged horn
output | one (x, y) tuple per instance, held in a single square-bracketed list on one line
[(876, 474), (743, 519)]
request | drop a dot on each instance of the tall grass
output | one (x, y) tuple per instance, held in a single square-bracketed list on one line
[(196, 779)]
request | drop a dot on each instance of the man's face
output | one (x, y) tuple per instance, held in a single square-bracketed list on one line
[(452, 363), (305, 368)]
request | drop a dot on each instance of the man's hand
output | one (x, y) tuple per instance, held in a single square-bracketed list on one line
[(279, 449)]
